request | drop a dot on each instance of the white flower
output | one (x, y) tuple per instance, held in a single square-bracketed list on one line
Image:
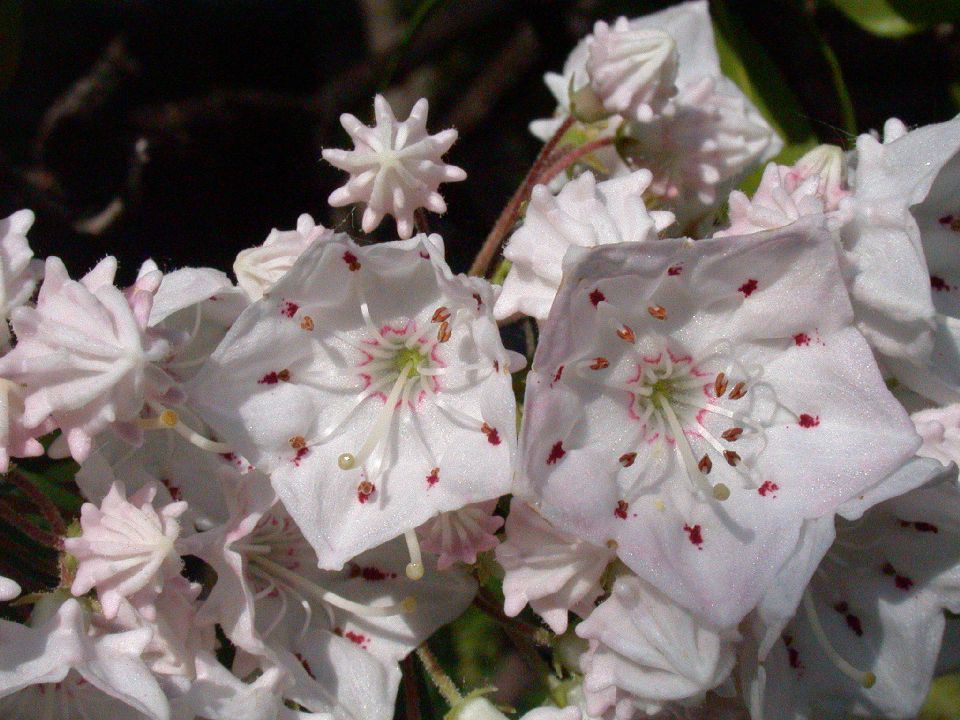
[(709, 422), (259, 268), (632, 70), (460, 535), (549, 569), (584, 213), (395, 167), (19, 272), (127, 549), (647, 651), (84, 355), (940, 430), (373, 387)]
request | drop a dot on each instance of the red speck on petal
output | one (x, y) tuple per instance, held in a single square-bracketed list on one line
[(556, 453), (695, 535), (903, 582), (424, 255), (356, 638), (271, 378), (301, 454), (365, 491), (809, 421), (674, 270), (801, 339), (596, 297), (853, 622), (493, 437), (558, 374), (925, 527), (370, 573), (768, 488), (351, 260), (306, 665), (938, 283), (946, 219), (622, 507), (627, 459), (434, 477), (174, 491), (476, 296), (288, 309), (794, 656), (748, 287)]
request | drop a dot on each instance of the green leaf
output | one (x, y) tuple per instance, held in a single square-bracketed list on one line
[(943, 702), (898, 18)]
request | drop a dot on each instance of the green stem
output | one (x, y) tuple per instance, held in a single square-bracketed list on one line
[(440, 679)]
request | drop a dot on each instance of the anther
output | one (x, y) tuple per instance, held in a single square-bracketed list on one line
[(443, 332), (346, 461), (739, 390), (657, 311), (626, 333), (284, 375), (169, 418), (306, 323), (705, 465), (627, 459), (365, 487), (441, 314), (409, 604), (298, 442), (732, 458), (732, 434), (600, 363), (720, 385)]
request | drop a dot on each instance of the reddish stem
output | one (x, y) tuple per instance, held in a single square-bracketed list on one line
[(411, 694), (565, 161), (491, 246)]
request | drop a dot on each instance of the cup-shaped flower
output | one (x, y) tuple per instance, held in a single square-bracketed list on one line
[(676, 409)]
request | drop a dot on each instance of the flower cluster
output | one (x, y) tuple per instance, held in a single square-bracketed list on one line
[(721, 503)]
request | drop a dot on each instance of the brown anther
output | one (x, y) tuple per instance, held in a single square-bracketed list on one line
[(626, 333), (306, 323), (705, 465), (732, 458), (627, 459), (739, 390), (612, 544), (720, 385), (658, 311), (486, 429), (732, 434), (599, 363), (444, 332), (365, 487), (284, 375), (441, 314), (298, 441)]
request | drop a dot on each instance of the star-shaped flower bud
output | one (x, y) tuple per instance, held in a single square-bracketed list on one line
[(84, 355), (632, 70), (19, 272), (584, 213), (646, 651), (940, 430), (372, 385), (460, 535), (865, 640), (62, 669), (395, 167), (126, 550), (549, 569), (259, 268), (710, 424)]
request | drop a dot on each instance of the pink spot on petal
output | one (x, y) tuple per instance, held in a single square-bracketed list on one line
[(558, 374), (768, 488), (365, 491), (556, 453), (622, 507), (925, 527), (270, 378), (809, 421), (301, 454), (493, 437), (674, 270), (903, 582), (288, 308), (434, 477), (946, 219), (939, 284), (357, 638), (351, 260), (801, 339), (596, 297), (695, 535), (748, 287)]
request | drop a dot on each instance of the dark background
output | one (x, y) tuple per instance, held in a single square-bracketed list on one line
[(234, 101)]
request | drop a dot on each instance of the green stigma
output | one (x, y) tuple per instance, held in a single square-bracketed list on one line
[(408, 356)]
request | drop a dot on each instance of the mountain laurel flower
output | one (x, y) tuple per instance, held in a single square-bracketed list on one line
[(647, 651), (940, 430), (632, 70), (709, 424), (85, 357), (127, 548), (460, 535), (395, 167), (259, 268), (584, 213), (372, 386), (19, 271)]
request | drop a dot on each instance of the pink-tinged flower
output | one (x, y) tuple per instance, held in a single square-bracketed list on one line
[(865, 640), (632, 70), (19, 272), (940, 430), (646, 651), (395, 167), (259, 268), (814, 185), (218, 694), (711, 424), (84, 356), (552, 571), (584, 213), (17, 440), (127, 548), (63, 670), (460, 535), (373, 387)]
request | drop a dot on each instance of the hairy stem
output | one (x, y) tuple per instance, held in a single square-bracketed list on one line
[(568, 159), (439, 677)]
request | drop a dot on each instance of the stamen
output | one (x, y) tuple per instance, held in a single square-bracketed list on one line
[(739, 390), (379, 429), (441, 314), (626, 333), (657, 311), (732, 435), (866, 679), (169, 419), (732, 458), (415, 566), (719, 491), (407, 605), (705, 465), (444, 332), (720, 385)]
